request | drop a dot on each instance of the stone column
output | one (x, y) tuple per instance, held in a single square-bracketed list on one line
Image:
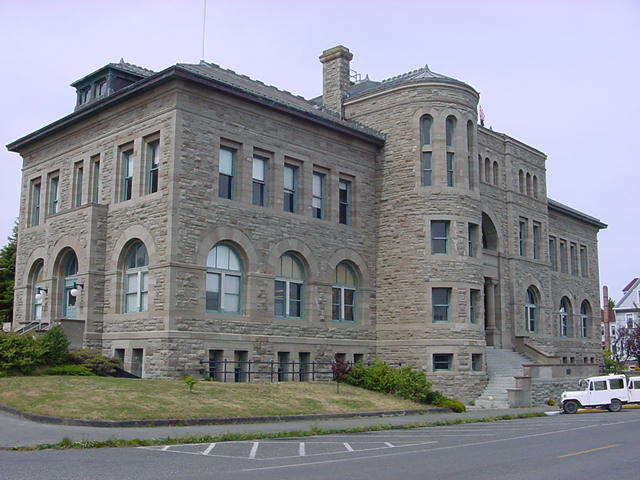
[(490, 292)]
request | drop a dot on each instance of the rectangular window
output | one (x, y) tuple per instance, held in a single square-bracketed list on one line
[(317, 200), (226, 170), (563, 256), (473, 239), (127, 175), (553, 256), (217, 365), (584, 327), (583, 261), (522, 238), (153, 165), (137, 355), (439, 236), (450, 170), (536, 240), (54, 194), (283, 366), (95, 179), (290, 186), (78, 179), (427, 170), (440, 298), (345, 202), (476, 362), (241, 365), (442, 361), (35, 202), (259, 182), (573, 249), (119, 354), (304, 360), (474, 299)]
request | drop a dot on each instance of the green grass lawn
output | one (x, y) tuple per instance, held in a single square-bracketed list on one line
[(105, 398)]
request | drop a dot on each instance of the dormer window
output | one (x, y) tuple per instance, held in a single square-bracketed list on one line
[(83, 95), (100, 88)]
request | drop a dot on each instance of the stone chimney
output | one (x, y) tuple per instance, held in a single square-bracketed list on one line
[(335, 77)]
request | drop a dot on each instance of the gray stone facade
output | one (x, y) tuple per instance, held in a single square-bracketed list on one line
[(382, 213)]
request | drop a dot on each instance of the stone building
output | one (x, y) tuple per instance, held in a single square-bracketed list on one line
[(194, 214)]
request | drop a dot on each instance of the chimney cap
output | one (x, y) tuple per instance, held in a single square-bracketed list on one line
[(335, 53)]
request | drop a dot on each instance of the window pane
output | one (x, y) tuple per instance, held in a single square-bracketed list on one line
[(144, 302), (440, 313), (425, 130), (336, 296), (231, 303), (279, 300), (132, 302), (426, 169), (289, 174), (295, 299), (258, 169), (131, 283), (232, 284), (226, 162)]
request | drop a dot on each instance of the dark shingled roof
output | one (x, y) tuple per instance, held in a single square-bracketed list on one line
[(367, 86), (123, 67), (268, 92)]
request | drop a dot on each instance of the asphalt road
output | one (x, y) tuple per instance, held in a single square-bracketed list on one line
[(587, 445)]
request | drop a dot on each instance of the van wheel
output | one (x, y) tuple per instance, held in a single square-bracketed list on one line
[(570, 406), (615, 405)]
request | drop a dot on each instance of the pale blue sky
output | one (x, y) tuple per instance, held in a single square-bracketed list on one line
[(561, 76)]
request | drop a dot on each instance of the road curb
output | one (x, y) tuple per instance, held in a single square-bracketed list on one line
[(209, 421)]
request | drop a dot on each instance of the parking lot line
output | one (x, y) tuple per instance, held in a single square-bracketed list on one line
[(254, 450), (209, 448), (590, 451)]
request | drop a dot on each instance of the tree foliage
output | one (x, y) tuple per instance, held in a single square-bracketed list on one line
[(7, 274), (626, 346)]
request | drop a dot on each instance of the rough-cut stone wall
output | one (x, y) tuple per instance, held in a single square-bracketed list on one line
[(407, 269)]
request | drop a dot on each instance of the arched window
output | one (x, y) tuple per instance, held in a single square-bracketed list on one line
[(585, 313), (489, 234), (535, 186), (472, 176), (136, 278), (487, 170), (426, 123), (496, 173), (37, 290), (68, 284), (224, 280), (531, 310), (529, 184), (289, 287), (344, 294), (450, 127), (564, 314), (521, 181), (480, 169)]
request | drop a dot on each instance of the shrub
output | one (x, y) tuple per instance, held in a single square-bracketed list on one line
[(94, 361), (404, 382), (78, 370), (19, 353), (190, 382), (551, 402), (55, 346), (455, 405)]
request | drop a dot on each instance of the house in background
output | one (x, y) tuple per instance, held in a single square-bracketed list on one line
[(194, 215)]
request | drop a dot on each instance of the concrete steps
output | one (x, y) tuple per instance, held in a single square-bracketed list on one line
[(502, 367)]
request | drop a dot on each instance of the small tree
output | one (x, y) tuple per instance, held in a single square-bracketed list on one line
[(626, 346), (7, 274), (341, 371), (55, 346), (190, 382)]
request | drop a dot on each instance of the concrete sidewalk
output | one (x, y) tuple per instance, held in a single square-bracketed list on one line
[(17, 431)]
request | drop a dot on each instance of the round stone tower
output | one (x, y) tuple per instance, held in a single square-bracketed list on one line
[(430, 290)]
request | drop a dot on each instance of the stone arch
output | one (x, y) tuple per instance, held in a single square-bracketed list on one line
[(529, 184), (134, 232), (64, 243), (36, 255), (355, 260), (521, 181), (490, 236), (240, 241), (496, 173), (535, 186), (301, 249), (487, 170)]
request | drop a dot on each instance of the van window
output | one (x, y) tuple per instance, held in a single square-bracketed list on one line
[(636, 385), (600, 385), (616, 383)]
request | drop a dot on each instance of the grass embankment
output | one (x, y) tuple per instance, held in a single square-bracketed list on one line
[(105, 398)]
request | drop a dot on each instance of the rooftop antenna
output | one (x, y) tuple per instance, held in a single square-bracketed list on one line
[(204, 24)]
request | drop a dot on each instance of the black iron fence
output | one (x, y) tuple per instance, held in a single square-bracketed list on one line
[(271, 371)]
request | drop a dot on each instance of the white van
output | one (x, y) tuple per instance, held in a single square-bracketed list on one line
[(607, 391)]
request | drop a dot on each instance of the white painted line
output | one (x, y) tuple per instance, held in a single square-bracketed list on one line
[(348, 447), (165, 448), (388, 444), (436, 449), (254, 450), (209, 448), (301, 451)]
